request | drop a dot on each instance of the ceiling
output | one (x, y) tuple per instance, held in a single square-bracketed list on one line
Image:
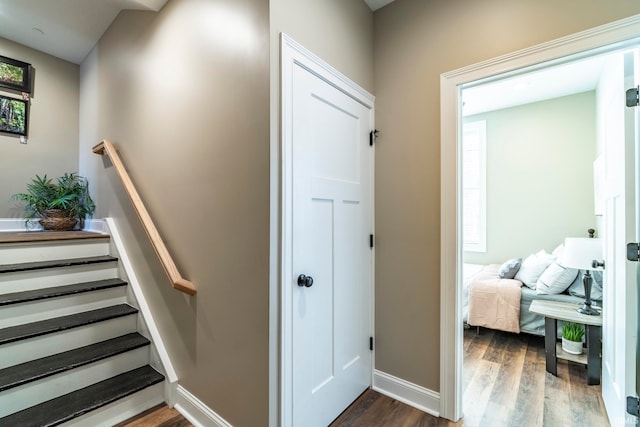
[(377, 4), (69, 29), (546, 83)]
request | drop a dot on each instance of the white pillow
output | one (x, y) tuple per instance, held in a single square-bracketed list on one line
[(533, 267), (555, 279), (557, 252), (543, 254)]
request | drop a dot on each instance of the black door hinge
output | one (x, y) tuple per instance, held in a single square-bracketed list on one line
[(633, 251), (633, 98), (633, 406), (371, 343), (372, 136), (371, 240)]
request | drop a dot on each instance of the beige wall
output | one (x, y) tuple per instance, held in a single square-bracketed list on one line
[(539, 176), (416, 41), (52, 146), (338, 31), (185, 96)]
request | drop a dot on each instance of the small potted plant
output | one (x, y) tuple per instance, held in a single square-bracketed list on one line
[(572, 334), (59, 205)]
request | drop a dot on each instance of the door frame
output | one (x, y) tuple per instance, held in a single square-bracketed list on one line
[(586, 43), (293, 54)]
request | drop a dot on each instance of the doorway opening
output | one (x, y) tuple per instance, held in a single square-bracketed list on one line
[(529, 146), (589, 44)]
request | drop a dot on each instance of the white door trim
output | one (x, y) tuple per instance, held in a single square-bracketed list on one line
[(293, 54), (605, 37)]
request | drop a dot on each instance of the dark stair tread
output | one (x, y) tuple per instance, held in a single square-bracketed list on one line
[(59, 291), (64, 408), (40, 265), (23, 373), (42, 327)]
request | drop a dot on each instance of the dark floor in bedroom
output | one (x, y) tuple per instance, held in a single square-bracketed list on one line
[(506, 384)]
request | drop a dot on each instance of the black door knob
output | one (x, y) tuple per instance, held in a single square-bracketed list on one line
[(305, 281)]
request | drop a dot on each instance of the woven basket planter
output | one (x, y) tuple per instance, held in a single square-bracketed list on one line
[(56, 220)]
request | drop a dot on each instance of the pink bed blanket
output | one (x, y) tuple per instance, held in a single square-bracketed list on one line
[(493, 302)]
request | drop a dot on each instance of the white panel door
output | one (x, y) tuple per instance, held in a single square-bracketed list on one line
[(331, 227), (620, 281)]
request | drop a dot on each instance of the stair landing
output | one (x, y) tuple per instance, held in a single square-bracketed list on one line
[(45, 236)]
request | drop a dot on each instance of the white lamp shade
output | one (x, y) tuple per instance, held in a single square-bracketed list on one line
[(579, 252)]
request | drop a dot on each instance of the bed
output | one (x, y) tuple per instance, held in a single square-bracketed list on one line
[(528, 322)]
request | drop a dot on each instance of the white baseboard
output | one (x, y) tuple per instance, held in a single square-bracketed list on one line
[(198, 414), (19, 224), (96, 225), (140, 303), (412, 394)]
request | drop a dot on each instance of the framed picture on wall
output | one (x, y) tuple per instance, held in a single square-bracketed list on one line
[(14, 115), (15, 75)]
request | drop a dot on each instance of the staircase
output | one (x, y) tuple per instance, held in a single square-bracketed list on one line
[(71, 351)]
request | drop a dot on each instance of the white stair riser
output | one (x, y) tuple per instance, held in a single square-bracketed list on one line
[(46, 345), (37, 279), (24, 396), (27, 350), (121, 410), (17, 314), (15, 253)]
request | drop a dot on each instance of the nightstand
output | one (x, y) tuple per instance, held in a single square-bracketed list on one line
[(554, 311)]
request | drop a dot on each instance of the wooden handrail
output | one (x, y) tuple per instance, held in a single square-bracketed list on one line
[(170, 268)]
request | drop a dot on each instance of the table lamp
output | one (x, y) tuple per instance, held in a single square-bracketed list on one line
[(580, 253)]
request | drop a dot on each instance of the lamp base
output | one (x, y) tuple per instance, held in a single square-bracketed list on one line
[(587, 281), (587, 309)]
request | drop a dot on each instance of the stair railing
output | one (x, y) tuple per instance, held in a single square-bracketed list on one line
[(178, 282)]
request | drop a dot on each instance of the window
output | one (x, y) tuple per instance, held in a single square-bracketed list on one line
[(474, 207)]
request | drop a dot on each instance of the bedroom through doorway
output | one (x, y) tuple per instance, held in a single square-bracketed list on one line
[(529, 147)]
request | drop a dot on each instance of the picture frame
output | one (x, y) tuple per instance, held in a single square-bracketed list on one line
[(15, 75), (14, 115)]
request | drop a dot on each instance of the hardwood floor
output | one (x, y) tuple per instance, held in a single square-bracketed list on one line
[(158, 416), (373, 409), (505, 384)]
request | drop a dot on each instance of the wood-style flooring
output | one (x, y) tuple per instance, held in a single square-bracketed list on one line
[(505, 384), (373, 409), (158, 416)]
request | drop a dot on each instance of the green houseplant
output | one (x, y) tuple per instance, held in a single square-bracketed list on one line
[(60, 204), (572, 334)]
